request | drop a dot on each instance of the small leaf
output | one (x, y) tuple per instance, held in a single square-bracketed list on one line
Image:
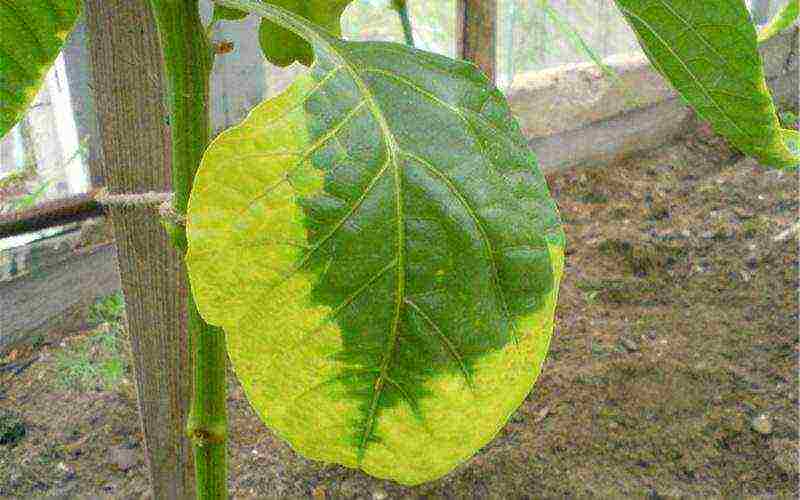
[(785, 18), (281, 47), (222, 13), (708, 51), (792, 140), (383, 254), (33, 32)]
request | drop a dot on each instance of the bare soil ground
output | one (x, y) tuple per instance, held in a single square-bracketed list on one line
[(672, 372)]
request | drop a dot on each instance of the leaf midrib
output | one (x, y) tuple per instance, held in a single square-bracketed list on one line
[(392, 149)]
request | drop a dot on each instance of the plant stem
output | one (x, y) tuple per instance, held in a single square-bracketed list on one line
[(188, 59), (402, 10)]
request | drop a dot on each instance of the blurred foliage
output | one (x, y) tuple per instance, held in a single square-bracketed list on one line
[(12, 428), (109, 309), (21, 189), (99, 359), (527, 37)]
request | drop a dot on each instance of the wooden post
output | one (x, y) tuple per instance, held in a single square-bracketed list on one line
[(476, 34), (129, 95)]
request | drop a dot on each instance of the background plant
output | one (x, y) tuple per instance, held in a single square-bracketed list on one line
[(100, 358)]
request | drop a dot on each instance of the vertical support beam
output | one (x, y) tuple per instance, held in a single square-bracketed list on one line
[(129, 94), (476, 34)]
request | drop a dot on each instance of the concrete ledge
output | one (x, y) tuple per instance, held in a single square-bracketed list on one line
[(575, 114)]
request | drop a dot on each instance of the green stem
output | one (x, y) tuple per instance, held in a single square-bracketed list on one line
[(402, 10), (188, 59)]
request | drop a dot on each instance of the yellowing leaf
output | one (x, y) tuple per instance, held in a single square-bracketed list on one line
[(383, 254)]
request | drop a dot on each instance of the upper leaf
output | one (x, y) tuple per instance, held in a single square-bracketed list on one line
[(708, 51), (383, 254), (227, 14), (32, 34), (282, 47)]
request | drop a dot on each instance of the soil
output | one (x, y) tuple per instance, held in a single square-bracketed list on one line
[(672, 372)]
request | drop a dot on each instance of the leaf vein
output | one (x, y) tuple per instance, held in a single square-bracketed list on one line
[(451, 349), (484, 236)]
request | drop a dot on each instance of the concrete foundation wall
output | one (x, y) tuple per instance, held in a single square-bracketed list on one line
[(574, 114)]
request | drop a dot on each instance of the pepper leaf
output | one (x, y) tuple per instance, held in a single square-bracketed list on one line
[(282, 47), (709, 52), (222, 13), (382, 252), (32, 34)]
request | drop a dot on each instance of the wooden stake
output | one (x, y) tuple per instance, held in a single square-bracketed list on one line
[(476, 34), (127, 81)]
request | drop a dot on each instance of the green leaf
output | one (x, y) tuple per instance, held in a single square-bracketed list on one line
[(33, 32), (792, 140), (708, 51), (382, 252), (785, 18), (222, 13), (282, 47)]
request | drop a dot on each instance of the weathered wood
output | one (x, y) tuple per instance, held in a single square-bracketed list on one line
[(129, 91), (476, 34)]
